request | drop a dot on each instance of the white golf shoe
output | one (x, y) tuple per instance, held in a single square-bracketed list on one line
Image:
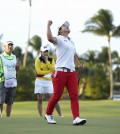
[(79, 121), (50, 119)]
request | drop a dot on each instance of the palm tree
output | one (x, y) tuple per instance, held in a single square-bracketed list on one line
[(36, 42), (101, 24), (26, 49)]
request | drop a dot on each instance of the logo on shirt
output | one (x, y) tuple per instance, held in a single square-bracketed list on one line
[(72, 42)]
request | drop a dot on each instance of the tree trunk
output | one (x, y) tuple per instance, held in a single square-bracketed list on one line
[(26, 50), (110, 69)]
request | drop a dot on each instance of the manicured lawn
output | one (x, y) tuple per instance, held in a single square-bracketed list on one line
[(103, 117)]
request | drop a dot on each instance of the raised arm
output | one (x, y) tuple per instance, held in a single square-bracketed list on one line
[(49, 33)]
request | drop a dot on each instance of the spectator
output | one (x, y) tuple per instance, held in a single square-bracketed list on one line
[(44, 66)]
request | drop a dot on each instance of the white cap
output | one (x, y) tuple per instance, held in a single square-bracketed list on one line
[(9, 42), (66, 23), (44, 48)]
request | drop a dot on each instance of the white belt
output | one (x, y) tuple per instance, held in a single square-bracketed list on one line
[(64, 70)]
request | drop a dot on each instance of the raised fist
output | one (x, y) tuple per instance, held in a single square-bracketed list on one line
[(50, 22)]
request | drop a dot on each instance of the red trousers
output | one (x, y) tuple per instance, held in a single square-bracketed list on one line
[(70, 81)]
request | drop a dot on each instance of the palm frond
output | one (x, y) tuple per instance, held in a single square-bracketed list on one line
[(116, 32), (101, 23)]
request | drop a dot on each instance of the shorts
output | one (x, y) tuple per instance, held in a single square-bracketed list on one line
[(43, 87), (7, 94)]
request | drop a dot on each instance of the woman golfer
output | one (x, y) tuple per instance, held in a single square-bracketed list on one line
[(64, 74)]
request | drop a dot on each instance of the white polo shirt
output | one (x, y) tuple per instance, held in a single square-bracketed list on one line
[(65, 51)]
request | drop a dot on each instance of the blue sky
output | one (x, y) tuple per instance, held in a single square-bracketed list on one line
[(14, 20)]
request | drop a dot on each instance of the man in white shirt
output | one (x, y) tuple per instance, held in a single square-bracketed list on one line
[(8, 82)]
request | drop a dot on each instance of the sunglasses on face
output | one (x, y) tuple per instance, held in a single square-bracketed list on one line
[(10, 44), (45, 51)]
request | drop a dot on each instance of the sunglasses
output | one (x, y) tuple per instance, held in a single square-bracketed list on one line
[(45, 51), (10, 44)]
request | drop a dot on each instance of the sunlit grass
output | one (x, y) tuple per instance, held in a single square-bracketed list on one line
[(87, 108), (103, 117)]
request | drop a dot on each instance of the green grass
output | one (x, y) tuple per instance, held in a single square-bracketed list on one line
[(103, 117)]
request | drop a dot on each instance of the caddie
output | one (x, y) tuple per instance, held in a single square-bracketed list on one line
[(8, 81)]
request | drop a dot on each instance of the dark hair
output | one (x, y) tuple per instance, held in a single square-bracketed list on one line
[(59, 30)]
